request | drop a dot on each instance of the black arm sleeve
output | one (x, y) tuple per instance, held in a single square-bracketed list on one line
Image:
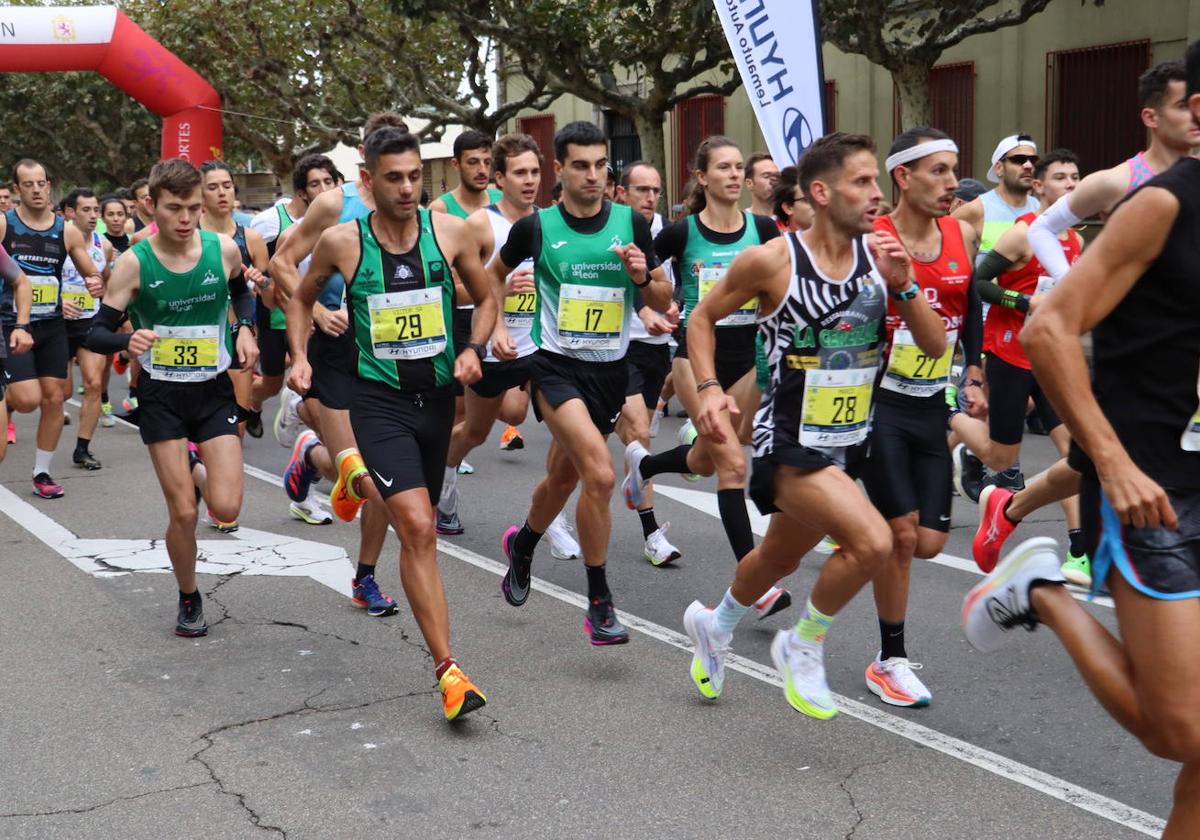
[(241, 297), (972, 329), (524, 241), (103, 337), (670, 241), (991, 266), (767, 229), (645, 241)]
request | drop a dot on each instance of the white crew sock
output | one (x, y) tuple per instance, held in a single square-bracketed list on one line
[(41, 462)]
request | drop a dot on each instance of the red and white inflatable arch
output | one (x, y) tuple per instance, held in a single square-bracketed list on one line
[(103, 39)]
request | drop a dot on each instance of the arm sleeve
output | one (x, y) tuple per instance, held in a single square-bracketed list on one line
[(645, 241), (767, 229), (521, 244), (670, 241), (1043, 236), (103, 337), (241, 298), (9, 269), (972, 329), (991, 266)]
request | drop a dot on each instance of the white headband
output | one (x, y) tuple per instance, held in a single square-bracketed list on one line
[(919, 151)]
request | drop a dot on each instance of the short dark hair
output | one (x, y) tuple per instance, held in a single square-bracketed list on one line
[(175, 176), (914, 137), (1192, 68), (72, 198), (1152, 85), (785, 191), (828, 154), (388, 141), (137, 185), (26, 163), (307, 164), (469, 141), (215, 166), (754, 160), (124, 194), (383, 119), (579, 133), (556, 191), (1054, 156), (627, 172), (6, 186), (510, 146), (111, 198)]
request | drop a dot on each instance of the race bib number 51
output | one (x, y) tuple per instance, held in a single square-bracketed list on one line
[(407, 325), (45, 294)]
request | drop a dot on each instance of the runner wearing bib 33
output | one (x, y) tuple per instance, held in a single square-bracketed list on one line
[(589, 256), (396, 263), (907, 473), (822, 302), (178, 286)]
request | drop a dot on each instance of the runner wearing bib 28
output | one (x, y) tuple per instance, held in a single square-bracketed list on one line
[(907, 474), (400, 292), (822, 301)]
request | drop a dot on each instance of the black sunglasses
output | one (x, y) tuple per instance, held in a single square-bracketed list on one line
[(1021, 160)]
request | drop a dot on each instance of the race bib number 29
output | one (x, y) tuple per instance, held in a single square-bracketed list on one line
[(407, 325)]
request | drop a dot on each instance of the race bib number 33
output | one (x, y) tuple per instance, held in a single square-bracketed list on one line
[(185, 354), (407, 325), (590, 317), (837, 407)]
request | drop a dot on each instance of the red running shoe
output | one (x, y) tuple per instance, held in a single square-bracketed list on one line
[(994, 527)]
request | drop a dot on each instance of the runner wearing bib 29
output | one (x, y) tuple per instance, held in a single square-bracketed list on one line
[(822, 298), (907, 473), (589, 257), (400, 293), (178, 286)]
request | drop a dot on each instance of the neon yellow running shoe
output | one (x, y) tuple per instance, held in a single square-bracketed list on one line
[(803, 672), (1078, 570)]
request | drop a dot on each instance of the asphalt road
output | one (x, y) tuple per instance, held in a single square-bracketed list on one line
[(298, 716)]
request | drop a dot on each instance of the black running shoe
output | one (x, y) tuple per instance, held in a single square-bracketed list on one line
[(515, 584), (601, 623), (968, 473), (254, 426), (190, 621), (1011, 479), (1033, 422), (85, 460)]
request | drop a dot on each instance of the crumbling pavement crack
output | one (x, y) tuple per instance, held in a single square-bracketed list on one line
[(844, 784), (87, 809)]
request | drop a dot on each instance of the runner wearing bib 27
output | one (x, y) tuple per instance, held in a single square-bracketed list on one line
[(822, 303), (589, 256), (178, 286), (1137, 290), (400, 294), (907, 474), (701, 248)]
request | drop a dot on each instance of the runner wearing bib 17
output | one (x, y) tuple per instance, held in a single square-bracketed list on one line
[(396, 263), (589, 257), (822, 301), (1137, 290), (907, 473), (79, 308), (182, 287), (702, 247)]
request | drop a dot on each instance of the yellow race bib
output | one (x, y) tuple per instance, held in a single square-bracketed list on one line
[(45, 294), (407, 325), (911, 372), (837, 407), (746, 313), (519, 310), (185, 354), (590, 317)]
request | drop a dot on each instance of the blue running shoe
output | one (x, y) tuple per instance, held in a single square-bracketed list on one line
[(368, 597), (299, 476)]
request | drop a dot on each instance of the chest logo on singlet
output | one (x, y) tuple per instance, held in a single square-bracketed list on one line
[(403, 272), (209, 279)]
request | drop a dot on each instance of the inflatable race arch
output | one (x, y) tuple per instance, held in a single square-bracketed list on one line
[(103, 39)]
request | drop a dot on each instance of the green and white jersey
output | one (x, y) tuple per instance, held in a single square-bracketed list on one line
[(456, 209), (401, 312), (704, 262), (584, 292), (189, 312)]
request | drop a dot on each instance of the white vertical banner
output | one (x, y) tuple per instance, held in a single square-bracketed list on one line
[(778, 53)]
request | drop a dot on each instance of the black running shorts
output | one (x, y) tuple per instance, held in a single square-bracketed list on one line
[(1009, 390), (849, 459), (334, 382), (908, 466), (600, 385), (195, 411), (272, 345), (462, 337), (404, 438), (498, 377), (48, 357), (648, 366), (734, 354)]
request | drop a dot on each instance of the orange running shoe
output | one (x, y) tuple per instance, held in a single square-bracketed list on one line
[(511, 439), (120, 364), (460, 696), (344, 501)]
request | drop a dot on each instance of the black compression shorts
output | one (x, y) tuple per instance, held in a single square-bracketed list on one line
[(908, 467), (600, 385), (1009, 390)]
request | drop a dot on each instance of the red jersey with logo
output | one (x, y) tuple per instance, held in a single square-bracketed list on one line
[(1003, 324), (945, 282)]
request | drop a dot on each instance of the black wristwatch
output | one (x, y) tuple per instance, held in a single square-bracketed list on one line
[(480, 349), (21, 327), (243, 323)]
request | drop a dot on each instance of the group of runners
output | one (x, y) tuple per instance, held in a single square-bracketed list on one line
[(840, 343)]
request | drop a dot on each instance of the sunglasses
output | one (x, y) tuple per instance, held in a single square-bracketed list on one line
[(1021, 160)]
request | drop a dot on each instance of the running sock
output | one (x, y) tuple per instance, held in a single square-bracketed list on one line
[(812, 626), (649, 523), (443, 667), (1075, 540), (448, 500), (597, 583), (81, 445), (731, 504), (892, 636), (526, 541), (41, 462), (728, 613), (104, 396), (364, 571), (661, 407), (671, 461)]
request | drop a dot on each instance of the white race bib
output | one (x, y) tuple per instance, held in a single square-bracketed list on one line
[(837, 407), (745, 314), (407, 325), (590, 317), (913, 373), (185, 354)]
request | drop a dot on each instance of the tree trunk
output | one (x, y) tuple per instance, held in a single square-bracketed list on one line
[(649, 125), (912, 87)]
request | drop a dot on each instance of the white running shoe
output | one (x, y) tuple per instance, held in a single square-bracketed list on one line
[(465, 469), (711, 647), (802, 668), (634, 485), (893, 682), (1000, 601), (655, 420), (106, 416), (687, 436), (775, 600), (287, 424), (448, 503), (658, 550), (311, 512), (827, 546), (563, 545)]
